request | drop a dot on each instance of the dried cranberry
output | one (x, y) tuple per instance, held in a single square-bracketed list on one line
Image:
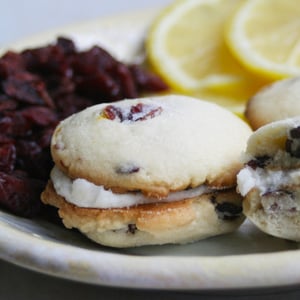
[(31, 91), (295, 133), (33, 159), (6, 125), (98, 86), (44, 137), (46, 60), (131, 228), (11, 63), (141, 112), (147, 81), (67, 45), (15, 124), (70, 104), (7, 157), (112, 112), (128, 89), (39, 115), (93, 60), (7, 104), (4, 139), (60, 86), (19, 195), (259, 162), (129, 168), (138, 112), (228, 211), (292, 145)]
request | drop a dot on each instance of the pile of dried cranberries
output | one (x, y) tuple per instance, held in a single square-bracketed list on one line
[(38, 88)]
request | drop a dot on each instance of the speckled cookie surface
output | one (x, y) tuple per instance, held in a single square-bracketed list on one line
[(277, 101), (155, 145), (273, 140), (270, 180)]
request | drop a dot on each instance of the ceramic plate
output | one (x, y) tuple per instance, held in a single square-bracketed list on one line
[(247, 258)]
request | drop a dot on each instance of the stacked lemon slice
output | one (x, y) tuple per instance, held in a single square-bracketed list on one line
[(265, 36), (225, 50)]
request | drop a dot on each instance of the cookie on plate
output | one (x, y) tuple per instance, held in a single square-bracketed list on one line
[(278, 101), (270, 180), (148, 171)]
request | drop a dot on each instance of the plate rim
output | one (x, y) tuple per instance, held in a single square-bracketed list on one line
[(231, 272)]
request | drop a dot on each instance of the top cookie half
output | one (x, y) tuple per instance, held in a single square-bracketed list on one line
[(155, 145)]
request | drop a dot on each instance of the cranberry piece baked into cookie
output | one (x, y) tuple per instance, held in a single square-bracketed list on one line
[(148, 171), (270, 180)]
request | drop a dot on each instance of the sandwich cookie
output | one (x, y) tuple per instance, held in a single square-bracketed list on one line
[(148, 171), (270, 179), (277, 101)]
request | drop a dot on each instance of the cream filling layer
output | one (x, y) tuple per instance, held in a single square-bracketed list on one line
[(266, 180), (83, 193)]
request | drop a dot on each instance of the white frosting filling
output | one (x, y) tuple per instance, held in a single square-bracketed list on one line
[(83, 193), (265, 180)]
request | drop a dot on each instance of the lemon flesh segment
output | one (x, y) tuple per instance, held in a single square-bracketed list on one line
[(186, 45), (264, 35)]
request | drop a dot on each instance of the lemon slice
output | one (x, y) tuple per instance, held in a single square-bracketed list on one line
[(265, 36), (186, 46)]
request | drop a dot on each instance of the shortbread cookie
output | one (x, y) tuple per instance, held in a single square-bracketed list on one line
[(270, 180), (278, 101), (163, 166), (154, 145), (183, 221)]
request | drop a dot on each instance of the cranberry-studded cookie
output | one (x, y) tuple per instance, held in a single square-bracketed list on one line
[(270, 180), (148, 171), (277, 101)]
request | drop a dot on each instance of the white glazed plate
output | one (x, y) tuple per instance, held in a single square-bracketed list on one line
[(245, 259)]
